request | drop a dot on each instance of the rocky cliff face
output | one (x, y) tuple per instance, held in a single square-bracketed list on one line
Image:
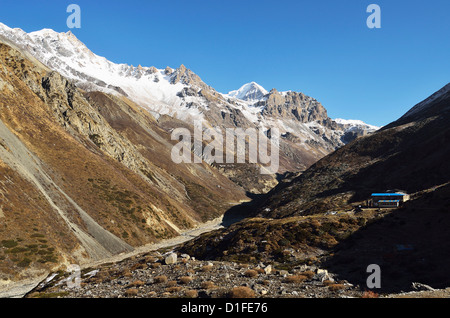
[(293, 105)]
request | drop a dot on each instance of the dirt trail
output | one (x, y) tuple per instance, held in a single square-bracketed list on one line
[(20, 289), (184, 236)]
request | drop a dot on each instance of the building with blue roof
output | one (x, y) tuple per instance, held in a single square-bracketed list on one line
[(389, 200)]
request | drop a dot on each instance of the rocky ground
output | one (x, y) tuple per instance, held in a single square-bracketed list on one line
[(167, 274), (165, 271), (158, 275), (170, 275)]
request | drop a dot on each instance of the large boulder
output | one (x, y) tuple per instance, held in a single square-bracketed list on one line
[(171, 259)]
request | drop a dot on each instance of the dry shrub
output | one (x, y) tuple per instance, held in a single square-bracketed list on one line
[(151, 294), (174, 289), (312, 260), (241, 292), (102, 277), (172, 283), (138, 266), (206, 268), (295, 279), (309, 274), (161, 279), (208, 285), (150, 259), (126, 273), (136, 283), (369, 294), (251, 273), (186, 279), (336, 287), (34, 295), (191, 293), (132, 292)]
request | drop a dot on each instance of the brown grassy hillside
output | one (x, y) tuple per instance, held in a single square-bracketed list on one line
[(85, 177)]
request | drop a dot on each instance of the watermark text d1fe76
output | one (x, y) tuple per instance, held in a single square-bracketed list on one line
[(74, 19), (374, 19), (374, 279), (228, 147)]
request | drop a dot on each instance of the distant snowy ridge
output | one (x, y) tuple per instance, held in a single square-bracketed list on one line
[(355, 123), (149, 87)]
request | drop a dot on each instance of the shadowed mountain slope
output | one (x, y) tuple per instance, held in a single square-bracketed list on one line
[(410, 154), (311, 218)]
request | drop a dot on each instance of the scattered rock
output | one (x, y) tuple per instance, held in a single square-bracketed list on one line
[(197, 279), (320, 271), (171, 259), (322, 275), (283, 273), (421, 287)]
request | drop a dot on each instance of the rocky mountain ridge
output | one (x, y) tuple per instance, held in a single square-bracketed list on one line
[(307, 132)]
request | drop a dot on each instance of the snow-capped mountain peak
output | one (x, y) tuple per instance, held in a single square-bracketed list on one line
[(249, 92), (180, 93), (155, 89)]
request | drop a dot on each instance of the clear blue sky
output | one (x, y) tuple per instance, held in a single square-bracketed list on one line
[(322, 48)]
